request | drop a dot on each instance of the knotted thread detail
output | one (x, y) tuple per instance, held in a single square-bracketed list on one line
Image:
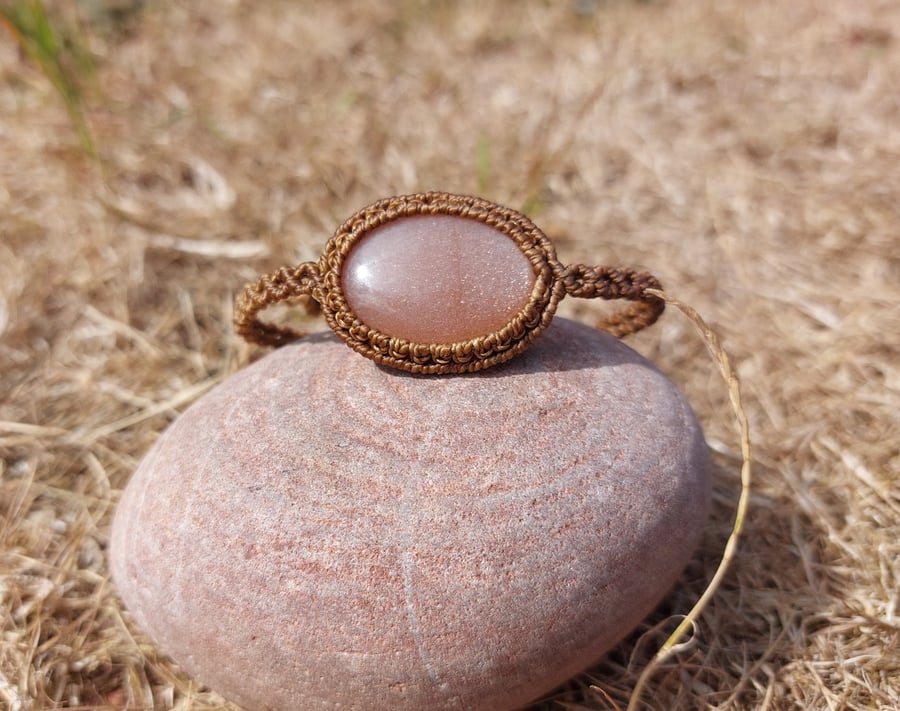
[(288, 284), (588, 282)]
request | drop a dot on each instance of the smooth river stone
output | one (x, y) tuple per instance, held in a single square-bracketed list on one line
[(436, 279), (319, 532)]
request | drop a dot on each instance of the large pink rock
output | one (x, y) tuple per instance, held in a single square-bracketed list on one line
[(319, 532)]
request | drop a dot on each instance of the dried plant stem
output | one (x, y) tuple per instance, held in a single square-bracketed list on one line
[(60, 57), (671, 645)]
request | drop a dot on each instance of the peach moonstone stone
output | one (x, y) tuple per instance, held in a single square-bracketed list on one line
[(436, 279)]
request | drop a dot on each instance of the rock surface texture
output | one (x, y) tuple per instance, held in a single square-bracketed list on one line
[(319, 532)]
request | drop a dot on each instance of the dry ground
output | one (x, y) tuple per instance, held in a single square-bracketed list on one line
[(747, 153)]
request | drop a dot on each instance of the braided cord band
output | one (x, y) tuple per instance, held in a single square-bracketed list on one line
[(288, 284), (617, 283), (321, 284)]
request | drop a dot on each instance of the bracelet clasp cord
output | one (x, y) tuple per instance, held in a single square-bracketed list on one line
[(323, 285)]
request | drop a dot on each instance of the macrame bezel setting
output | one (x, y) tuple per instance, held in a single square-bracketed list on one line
[(462, 356)]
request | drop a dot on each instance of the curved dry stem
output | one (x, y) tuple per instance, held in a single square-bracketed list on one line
[(670, 646)]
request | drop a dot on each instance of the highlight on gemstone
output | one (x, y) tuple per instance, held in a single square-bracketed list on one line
[(436, 279)]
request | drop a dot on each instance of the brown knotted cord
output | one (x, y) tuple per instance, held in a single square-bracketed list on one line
[(617, 283), (320, 285), (286, 285)]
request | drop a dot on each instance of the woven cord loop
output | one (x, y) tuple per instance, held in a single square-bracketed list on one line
[(285, 285), (587, 282)]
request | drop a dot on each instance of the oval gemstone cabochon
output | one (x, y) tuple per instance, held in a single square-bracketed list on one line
[(436, 279), (318, 532)]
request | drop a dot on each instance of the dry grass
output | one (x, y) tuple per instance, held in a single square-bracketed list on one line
[(747, 153)]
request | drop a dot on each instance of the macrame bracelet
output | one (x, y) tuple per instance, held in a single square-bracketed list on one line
[(440, 283)]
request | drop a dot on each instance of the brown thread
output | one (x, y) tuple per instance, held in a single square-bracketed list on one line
[(287, 284), (617, 283), (321, 282)]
